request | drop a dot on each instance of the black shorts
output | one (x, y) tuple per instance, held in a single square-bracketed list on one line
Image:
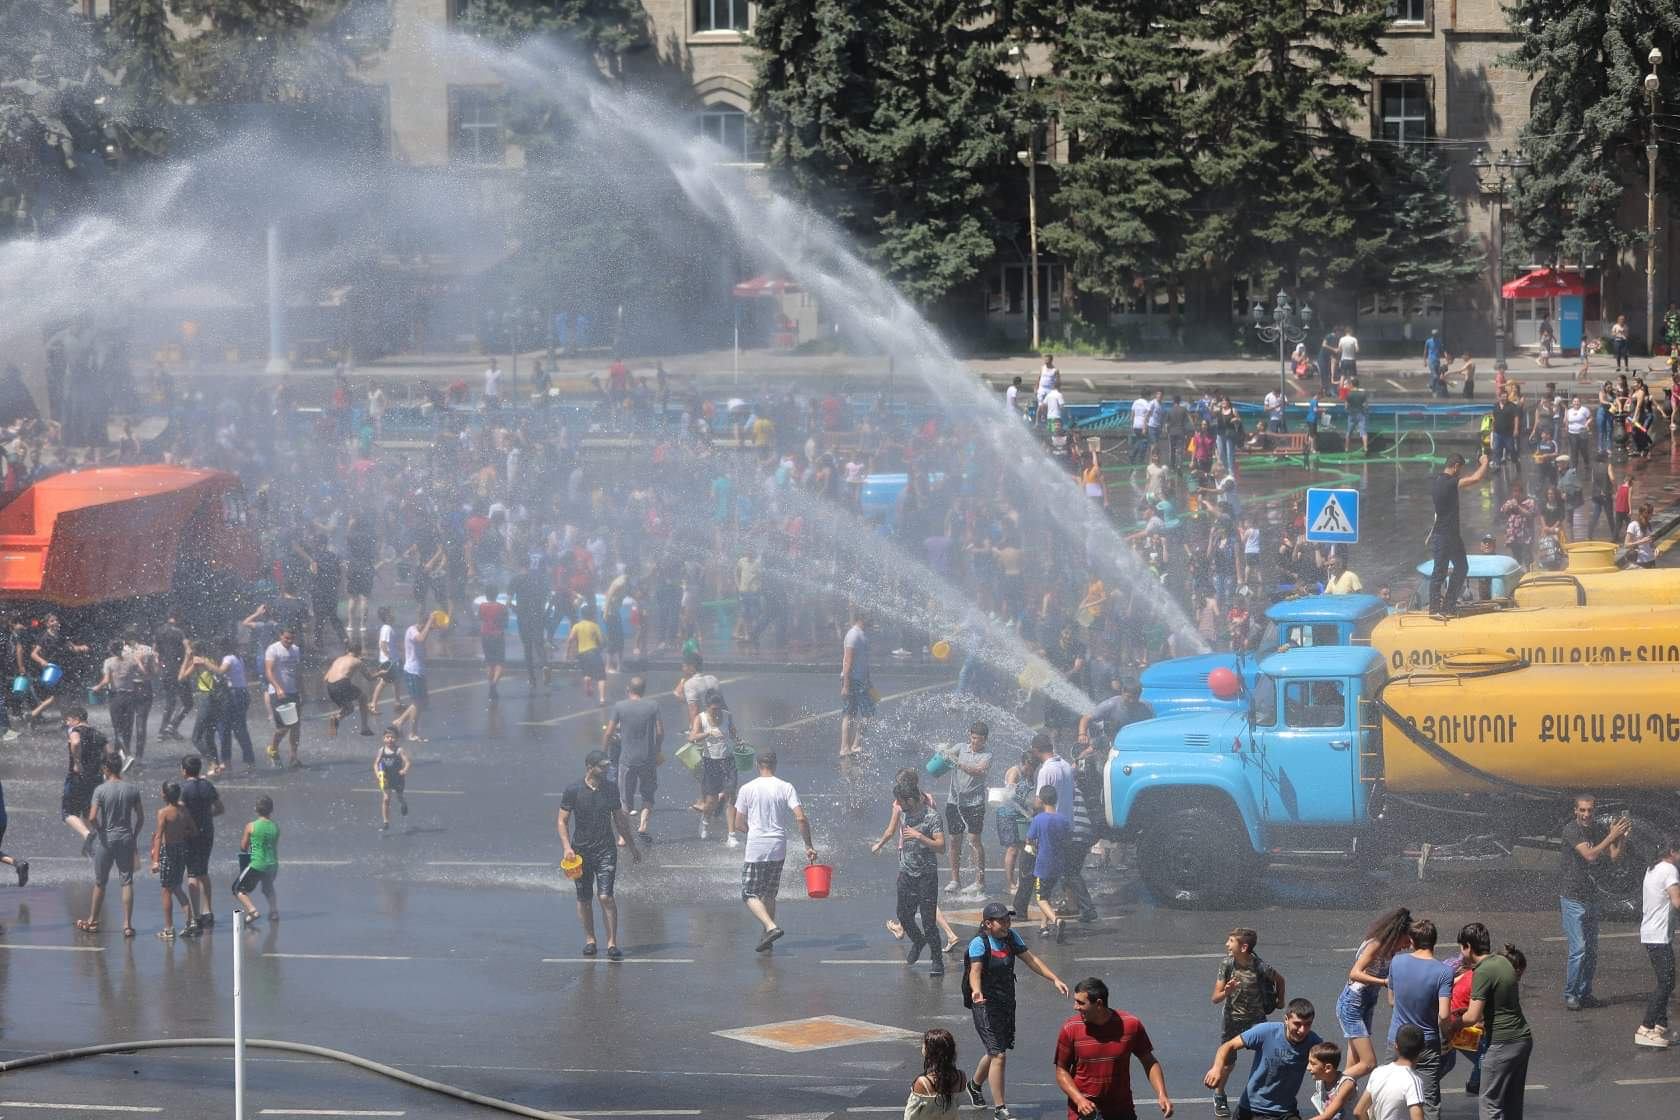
[(615, 633), (76, 800), (961, 819), (643, 777), (858, 703), (717, 776), (600, 869), (387, 671), (275, 702), (251, 879), (761, 880), (198, 853), (1044, 888), (994, 1022), (359, 580), (591, 665), (172, 865), (395, 782), (345, 694), (495, 648)]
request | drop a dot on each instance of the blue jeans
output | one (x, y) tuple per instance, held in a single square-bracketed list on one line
[(1227, 451), (1580, 926)]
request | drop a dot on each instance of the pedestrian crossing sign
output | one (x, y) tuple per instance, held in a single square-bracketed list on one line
[(1333, 516)]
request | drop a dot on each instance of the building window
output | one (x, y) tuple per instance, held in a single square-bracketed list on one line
[(475, 126), (1404, 108), (1408, 11), (722, 15), (730, 129)]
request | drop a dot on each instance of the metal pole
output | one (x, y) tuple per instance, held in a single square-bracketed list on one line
[(1498, 274), (238, 1015), (1651, 242), (737, 380), (1032, 228), (278, 362)]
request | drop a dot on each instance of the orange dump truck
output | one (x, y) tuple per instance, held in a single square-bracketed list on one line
[(116, 534)]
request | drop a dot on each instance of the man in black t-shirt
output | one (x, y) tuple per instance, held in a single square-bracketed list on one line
[(1583, 844), (1507, 416), (171, 645), (529, 592), (1446, 542), (203, 804), (591, 823)]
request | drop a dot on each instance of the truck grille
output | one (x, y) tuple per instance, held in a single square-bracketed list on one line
[(1199, 740)]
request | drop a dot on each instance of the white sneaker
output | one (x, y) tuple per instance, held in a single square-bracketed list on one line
[(733, 841), (1652, 1037), (953, 887), (705, 829)]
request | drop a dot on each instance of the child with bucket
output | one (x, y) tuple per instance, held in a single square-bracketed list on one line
[(713, 733)]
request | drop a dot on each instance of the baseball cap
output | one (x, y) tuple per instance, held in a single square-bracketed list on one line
[(596, 758), (996, 912)]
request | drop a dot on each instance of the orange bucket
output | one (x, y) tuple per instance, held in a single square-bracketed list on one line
[(818, 877)]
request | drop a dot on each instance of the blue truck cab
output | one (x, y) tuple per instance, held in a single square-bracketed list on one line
[(1180, 683), (1489, 576), (1209, 793)]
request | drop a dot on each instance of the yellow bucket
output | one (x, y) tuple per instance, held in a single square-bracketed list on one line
[(572, 866), (689, 755), (941, 650), (440, 619)]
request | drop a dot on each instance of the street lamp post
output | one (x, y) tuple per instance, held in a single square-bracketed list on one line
[(1652, 82), (1286, 326), (1495, 178), (1030, 158)]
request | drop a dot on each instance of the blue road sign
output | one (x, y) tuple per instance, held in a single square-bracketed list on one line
[(1333, 516)]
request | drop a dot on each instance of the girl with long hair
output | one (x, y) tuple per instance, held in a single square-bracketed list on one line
[(1357, 1005), (933, 1095)]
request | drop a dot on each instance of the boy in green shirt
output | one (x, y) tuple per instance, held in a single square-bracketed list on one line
[(259, 851)]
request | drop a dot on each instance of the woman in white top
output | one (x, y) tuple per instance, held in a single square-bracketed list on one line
[(713, 731), (933, 1095), (1641, 540)]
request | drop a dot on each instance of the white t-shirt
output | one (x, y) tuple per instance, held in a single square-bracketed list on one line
[(1320, 1098), (414, 652), (1577, 419), (286, 663), (493, 382), (1349, 347), (1140, 414), (696, 687), (387, 642), (764, 801), (1656, 927), (1009, 396), (1046, 378), (1394, 1089), (1053, 404)]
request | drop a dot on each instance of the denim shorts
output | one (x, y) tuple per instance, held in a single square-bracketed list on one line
[(1355, 1010)]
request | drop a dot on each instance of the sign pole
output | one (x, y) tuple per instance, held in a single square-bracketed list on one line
[(238, 1016)]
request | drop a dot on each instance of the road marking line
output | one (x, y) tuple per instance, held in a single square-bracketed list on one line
[(899, 962), (820, 716), (57, 948), (1089, 384), (1152, 957), (330, 1112), (1395, 383), (626, 960), (595, 711), (81, 1107), (1629, 933), (433, 792), (317, 862), (1648, 1081), (333, 957), (641, 1112), (1189, 383), (491, 863)]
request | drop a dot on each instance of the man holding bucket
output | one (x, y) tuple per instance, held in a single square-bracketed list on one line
[(592, 824), (761, 807), (281, 663)]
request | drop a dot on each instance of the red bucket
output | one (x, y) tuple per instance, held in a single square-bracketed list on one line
[(817, 879)]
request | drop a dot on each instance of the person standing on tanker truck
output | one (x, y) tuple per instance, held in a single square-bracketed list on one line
[(1446, 541), (1584, 843)]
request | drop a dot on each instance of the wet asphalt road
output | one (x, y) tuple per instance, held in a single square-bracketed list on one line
[(450, 948)]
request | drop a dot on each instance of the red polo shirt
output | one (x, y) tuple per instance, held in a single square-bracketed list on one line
[(1099, 1059)]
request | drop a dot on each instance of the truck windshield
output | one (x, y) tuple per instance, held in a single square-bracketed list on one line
[(1314, 704), (1265, 702), (1299, 634)]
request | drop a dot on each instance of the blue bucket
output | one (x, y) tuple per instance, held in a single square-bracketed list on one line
[(20, 686), (939, 764), (51, 675)]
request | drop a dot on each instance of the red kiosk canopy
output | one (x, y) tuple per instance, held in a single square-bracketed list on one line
[(1545, 283)]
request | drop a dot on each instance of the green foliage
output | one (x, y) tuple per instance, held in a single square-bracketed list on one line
[(897, 119), (1423, 250), (1124, 200), (142, 45), (53, 123), (265, 51), (1588, 129), (608, 27)]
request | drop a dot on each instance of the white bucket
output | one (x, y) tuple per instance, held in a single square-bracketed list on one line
[(287, 712)]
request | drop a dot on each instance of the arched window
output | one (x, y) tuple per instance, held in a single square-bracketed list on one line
[(729, 128)]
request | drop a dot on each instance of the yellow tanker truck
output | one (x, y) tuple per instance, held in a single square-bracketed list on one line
[(1592, 578), (1593, 635), (1334, 755)]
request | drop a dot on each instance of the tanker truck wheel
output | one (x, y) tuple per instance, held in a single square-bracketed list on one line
[(1620, 884), (1193, 858)]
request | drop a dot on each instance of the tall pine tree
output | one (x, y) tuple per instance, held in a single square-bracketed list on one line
[(1272, 90), (896, 118), (1123, 199), (607, 27), (1423, 251), (1586, 135)]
